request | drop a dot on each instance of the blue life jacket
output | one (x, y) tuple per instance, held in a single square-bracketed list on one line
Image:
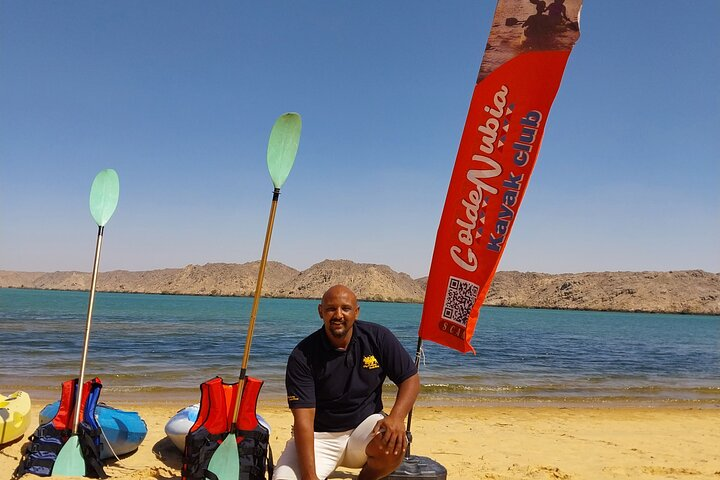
[(49, 438)]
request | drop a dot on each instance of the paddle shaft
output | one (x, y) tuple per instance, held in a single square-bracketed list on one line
[(256, 303), (91, 302)]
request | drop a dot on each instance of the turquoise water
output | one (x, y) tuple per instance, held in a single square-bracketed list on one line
[(150, 346)]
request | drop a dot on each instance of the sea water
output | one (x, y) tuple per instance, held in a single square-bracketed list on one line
[(146, 347)]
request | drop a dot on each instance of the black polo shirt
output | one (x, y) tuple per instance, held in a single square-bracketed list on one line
[(345, 387)]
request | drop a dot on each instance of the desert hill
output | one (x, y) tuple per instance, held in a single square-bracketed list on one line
[(369, 281), (692, 291)]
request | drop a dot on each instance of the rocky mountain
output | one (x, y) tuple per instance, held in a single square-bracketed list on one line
[(369, 281), (210, 279), (693, 291)]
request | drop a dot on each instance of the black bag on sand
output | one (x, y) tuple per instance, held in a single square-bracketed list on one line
[(414, 467)]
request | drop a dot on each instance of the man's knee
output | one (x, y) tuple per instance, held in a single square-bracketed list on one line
[(381, 458), (287, 465), (283, 472)]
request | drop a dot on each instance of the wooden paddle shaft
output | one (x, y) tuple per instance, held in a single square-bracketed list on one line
[(91, 302), (256, 303)]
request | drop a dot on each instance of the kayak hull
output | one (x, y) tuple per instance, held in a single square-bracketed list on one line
[(179, 425), (14, 416), (122, 431)]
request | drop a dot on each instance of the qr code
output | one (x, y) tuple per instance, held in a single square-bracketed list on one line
[(459, 300)]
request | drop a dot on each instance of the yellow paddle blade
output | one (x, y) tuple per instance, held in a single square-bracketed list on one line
[(70, 462), (225, 462)]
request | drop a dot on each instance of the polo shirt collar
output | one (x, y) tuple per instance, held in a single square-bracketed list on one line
[(329, 347)]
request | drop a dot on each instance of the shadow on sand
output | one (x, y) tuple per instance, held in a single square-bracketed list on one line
[(166, 451)]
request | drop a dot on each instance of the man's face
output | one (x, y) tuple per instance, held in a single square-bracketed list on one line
[(338, 309)]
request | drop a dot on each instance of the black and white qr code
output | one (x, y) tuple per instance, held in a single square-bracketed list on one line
[(459, 300)]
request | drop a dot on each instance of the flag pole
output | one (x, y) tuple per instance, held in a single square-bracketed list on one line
[(408, 432)]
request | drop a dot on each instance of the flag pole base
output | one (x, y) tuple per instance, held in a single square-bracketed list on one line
[(414, 466)]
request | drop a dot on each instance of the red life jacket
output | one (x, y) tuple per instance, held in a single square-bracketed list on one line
[(214, 422), (48, 439)]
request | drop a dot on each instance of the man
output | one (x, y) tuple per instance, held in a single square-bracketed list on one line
[(334, 383)]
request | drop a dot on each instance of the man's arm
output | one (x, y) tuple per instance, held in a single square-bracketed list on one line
[(393, 426), (304, 433)]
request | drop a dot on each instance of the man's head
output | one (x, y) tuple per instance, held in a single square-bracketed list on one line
[(339, 310)]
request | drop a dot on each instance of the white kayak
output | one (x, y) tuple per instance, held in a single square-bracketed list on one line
[(179, 425), (14, 416)]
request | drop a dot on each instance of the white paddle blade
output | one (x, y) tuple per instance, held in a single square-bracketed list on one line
[(283, 146), (104, 195), (70, 462), (225, 462)]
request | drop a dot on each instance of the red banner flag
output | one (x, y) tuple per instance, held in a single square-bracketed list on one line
[(526, 53)]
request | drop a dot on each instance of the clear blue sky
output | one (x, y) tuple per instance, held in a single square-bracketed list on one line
[(179, 97)]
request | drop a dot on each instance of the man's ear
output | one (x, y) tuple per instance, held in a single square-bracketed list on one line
[(320, 310)]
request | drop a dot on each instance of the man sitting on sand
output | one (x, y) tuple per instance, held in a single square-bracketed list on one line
[(334, 384)]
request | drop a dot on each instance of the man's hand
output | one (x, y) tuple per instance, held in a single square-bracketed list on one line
[(393, 435), (392, 427)]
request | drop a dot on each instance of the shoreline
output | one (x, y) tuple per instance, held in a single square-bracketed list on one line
[(187, 397), (502, 443)]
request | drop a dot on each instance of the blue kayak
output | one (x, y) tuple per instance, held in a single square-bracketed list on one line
[(122, 431)]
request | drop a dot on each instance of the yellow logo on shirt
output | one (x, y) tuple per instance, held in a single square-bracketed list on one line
[(292, 398), (370, 362)]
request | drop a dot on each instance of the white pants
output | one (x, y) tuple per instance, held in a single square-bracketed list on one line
[(332, 450)]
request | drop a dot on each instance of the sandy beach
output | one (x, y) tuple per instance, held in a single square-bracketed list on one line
[(494, 442)]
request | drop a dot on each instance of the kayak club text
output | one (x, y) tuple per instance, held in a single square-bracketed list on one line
[(484, 169)]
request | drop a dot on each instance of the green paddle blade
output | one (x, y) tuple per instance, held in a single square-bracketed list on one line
[(282, 147), (104, 196), (70, 462), (225, 462)]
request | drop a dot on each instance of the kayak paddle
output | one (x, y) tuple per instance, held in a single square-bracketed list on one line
[(104, 195), (281, 151)]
